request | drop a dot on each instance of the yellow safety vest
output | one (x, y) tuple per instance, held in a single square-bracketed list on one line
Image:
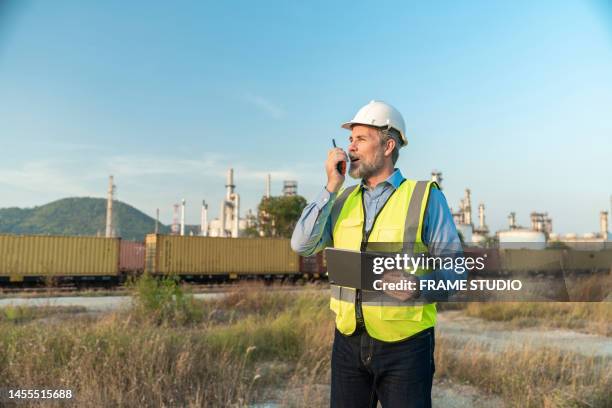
[(400, 221)]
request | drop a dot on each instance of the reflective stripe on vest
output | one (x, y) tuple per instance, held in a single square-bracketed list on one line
[(339, 203), (400, 221)]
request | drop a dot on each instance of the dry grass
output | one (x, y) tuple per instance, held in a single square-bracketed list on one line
[(251, 346), (529, 377), (246, 347), (587, 317), (22, 314), (594, 287)]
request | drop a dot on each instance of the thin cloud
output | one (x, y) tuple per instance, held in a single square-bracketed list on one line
[(150, 165), (146, 180), (302, 173), (265, 105), (45, 176), (78, 177)]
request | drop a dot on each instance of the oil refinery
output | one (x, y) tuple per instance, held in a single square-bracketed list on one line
[(230, 224), (537, 236)]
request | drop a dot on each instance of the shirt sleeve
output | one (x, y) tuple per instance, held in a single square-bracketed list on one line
[(442, 240), (312, 232)]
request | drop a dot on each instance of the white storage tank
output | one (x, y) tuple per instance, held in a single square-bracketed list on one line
[(521, 239), (478, 238)]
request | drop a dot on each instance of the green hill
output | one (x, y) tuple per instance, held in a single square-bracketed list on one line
[(77, 216)]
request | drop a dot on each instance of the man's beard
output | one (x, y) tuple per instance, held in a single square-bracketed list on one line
[(365, 170)]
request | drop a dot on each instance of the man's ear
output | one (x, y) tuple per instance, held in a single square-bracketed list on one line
[(389, 147)]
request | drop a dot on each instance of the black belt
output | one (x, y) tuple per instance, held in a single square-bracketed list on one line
[(358, 311)]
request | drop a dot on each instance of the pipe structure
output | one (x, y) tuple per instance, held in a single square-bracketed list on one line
[(175, 222), (512, 220), (204, 220), (535, 226), (223, 220), (229, 213), (182, 217), (236, 215), (603, 224), (548, 225)]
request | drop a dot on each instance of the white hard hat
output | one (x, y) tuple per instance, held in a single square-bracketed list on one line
[(382, 115)]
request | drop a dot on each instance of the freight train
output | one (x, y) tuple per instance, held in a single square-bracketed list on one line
[(80, 260), (90, 259)]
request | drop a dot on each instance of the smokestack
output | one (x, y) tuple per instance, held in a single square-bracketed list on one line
[(268, 185), (183, 217), (157, 221), (481, 216), (468, 207), (204, 220), (603, 224), (229, 186), (512, 220), (109, 208)]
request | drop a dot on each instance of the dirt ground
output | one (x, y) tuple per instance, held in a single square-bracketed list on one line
[(445, 394)]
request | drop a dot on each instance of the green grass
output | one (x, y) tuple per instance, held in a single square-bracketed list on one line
[(163, 302)]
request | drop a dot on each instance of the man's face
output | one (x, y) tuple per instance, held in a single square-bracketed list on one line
[(366, 152)]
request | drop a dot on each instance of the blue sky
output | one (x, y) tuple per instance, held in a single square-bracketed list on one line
[(510, 99)]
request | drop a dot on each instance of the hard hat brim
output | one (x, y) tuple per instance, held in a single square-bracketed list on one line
[(349, 126)]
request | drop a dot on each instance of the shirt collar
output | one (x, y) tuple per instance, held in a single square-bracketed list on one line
[(395, 179)]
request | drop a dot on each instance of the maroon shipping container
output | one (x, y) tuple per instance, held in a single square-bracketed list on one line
[(132, 256), (313, 264)]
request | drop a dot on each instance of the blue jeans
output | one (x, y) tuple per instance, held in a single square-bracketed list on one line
[(365, 371)]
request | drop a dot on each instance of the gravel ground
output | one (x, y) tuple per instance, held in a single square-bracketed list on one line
[(93, 304)]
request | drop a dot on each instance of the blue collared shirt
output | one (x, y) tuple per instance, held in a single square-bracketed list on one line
[(313, 231)]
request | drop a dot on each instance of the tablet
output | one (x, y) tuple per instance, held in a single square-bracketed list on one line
[(344, 267), (350, 268)]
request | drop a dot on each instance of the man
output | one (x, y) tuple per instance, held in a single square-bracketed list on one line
[(384, 342)]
